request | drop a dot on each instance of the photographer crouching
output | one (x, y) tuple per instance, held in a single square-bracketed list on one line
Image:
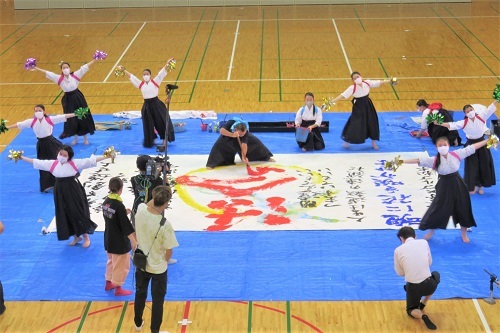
[(149, 177)]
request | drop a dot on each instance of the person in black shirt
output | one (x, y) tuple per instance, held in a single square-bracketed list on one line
[(142, 184), (119, 238)]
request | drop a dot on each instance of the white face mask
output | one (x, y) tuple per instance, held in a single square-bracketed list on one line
[(62, 159), (443, 150), (146, 77), (309, 103), (358, 80), (39, 114), (65, 71), (471, 114)]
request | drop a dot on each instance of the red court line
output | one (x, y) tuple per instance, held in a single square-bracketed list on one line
[(90, 314), (186, 315)]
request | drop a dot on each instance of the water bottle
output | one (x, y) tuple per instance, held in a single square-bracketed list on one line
[(210, 128)]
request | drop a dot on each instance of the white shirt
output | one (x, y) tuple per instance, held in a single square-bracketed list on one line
[(475, 128), (413, 259), (426, 112), (65, 170), (68, 83), (361, 90), (148, 89), (450, 163), (146, 226), (308, 115), (42, 128)]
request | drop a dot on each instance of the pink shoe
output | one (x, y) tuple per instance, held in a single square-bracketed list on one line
[(122, 292), (109, 286)]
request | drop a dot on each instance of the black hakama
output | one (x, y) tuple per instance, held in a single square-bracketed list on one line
[(363, 122), (314, 138), (256, 150), (436, 131), (452, 199), (479, 168), (223, 151), (47, 149), (154, 114), (72, 101), (72, 209)]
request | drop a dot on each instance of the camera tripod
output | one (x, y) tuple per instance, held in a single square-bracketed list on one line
[(493, 280)]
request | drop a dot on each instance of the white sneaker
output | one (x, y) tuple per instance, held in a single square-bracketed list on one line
[(138, 329), (172, 261)]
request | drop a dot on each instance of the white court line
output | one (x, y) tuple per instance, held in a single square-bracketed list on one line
[(400, 78), (234, 49), (119, 59), (481, 315), (342, 46)]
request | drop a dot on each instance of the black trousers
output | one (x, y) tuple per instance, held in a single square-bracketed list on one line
[(2, 305), (415, 291), (158, 292)]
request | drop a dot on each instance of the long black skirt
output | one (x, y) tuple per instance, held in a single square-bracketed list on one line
[(363, 122), (223, 152), (256, 151), (72, 209), (47, 149), (452, 199), (154, 115), (314, 139), (479, 168), (72, 101)]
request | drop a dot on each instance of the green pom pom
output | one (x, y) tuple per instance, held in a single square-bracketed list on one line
[(496, 92), (81, 112), (3, 127), (435, 117)]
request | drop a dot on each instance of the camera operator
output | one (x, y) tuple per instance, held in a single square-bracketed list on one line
[(149, 177)]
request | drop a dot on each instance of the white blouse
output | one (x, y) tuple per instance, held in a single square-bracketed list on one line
[(308, 115), (68, 83), (65, 170), (149, 89), (361, 90), (450, 163), (475, 128), (42, 128)]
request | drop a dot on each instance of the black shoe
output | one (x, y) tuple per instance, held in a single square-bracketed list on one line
[(430, 325)]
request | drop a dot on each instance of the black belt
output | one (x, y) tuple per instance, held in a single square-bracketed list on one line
[(416, 284)]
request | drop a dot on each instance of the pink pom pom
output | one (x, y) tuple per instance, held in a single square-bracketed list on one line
[(30, 63), (100, 55)]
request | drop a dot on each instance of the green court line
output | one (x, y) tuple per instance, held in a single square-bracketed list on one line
[(279, 56), (17, 41), (116, 26), (189, 49), (359, 19), (387, 75), (84, 316), (1, 41), (486, 65), (55, 99), (261, 56), (288, 318), (250, 311), (463, 25), (121, 317), (203, 57)]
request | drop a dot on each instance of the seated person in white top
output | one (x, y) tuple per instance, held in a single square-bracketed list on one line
[(412, 259)]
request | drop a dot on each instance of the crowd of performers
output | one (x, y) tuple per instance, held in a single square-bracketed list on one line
[(60, 170)]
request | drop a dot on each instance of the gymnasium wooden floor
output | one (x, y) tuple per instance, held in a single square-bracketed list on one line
[(253, 59)]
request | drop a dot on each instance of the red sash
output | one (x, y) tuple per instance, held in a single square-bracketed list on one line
[(61, 78), (69, 162)]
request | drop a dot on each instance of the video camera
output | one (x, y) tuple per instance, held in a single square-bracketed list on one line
[(155, 166)]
